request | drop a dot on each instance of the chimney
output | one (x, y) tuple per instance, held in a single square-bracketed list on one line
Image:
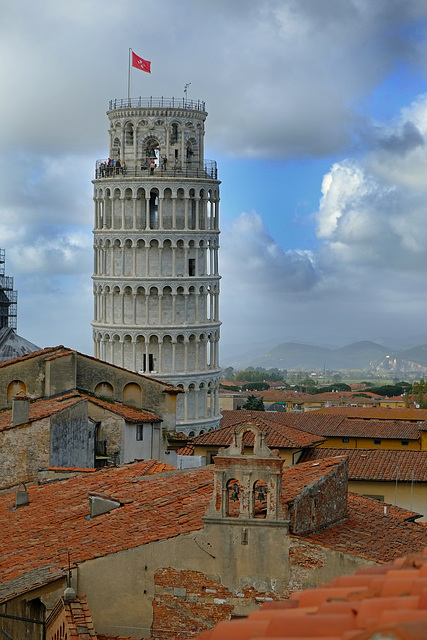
[(22, 498), (20, 410)]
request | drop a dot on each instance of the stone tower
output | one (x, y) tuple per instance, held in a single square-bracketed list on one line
[(156, 240)]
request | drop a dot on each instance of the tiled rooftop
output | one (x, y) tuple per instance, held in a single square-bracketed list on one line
[(330, 424), (159, 503), (380, 413), (376, 603), (277, 434), (40, 409), (274, 395), (377, 464), (47, 351)]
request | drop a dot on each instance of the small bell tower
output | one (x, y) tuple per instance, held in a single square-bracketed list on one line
[(246, 517), (247, 486)]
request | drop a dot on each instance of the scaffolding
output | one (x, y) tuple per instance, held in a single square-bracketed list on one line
[(8, 298)]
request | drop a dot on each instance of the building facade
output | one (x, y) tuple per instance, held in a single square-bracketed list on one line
[(156, 240)]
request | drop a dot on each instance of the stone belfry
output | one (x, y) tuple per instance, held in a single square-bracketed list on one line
[(156, 240)]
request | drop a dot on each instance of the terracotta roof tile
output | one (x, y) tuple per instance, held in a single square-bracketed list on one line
[(277, 433), (158, 503), (377, 464), (354, 536), (33, 354), (343, 613), (327, 424), (40, 409), (379, 413)]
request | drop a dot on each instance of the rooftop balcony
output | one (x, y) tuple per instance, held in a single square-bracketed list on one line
[(144, 171), (156, 103)]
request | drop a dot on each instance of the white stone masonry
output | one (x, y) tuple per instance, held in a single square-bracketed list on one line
[(156, 241)]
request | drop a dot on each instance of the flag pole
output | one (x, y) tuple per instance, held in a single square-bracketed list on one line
[(130, 52)]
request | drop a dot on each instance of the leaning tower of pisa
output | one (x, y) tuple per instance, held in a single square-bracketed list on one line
[(156, 240)]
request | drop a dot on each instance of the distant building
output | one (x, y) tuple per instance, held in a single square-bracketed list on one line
[(11, 345)]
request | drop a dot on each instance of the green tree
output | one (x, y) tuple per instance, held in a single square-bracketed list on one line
[(255, 386), (419, 394), (228, 374), (254, 403)]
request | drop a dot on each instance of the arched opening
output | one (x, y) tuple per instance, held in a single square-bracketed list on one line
[(260, 499), (234, 494), (104, 390), (152, 151), (132, 394), (174, 133), (154, 209), (129, 134), (15, 387)]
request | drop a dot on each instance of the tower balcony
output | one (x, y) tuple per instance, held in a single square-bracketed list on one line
[(143, 171), (157, 103)]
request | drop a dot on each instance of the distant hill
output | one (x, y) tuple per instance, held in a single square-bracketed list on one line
[(415, 354), (364, 355), (293, 355)]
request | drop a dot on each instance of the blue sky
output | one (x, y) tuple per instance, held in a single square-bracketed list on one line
[(318, 122)]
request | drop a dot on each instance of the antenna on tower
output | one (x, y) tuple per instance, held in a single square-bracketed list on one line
[(185, 90)]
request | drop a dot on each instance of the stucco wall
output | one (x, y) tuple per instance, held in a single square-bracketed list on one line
[(30, 371), (23, 449), (368, 443), (201, 578)]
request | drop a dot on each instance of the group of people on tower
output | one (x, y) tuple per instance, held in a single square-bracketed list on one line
[(111, 167)]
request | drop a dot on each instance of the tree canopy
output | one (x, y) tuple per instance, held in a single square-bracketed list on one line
[(254, 403)]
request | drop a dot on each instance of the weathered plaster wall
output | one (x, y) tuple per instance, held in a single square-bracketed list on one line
[(31, 372), (195, 581), (110, 428), (155, 397), (311, 564), (23, 449)]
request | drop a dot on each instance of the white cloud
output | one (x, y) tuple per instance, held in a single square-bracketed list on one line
[(372, 210)]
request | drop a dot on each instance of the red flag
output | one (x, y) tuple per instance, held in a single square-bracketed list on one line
[(139, 63)]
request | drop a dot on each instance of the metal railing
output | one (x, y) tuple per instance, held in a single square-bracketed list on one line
[(104, 170), (149, 103)]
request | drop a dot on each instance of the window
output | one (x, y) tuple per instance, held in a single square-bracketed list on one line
[(377, 441), (345, 440), (373, 497), (404, 442), (139, 431), (174, 134), (192, 267), (150, 362)]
